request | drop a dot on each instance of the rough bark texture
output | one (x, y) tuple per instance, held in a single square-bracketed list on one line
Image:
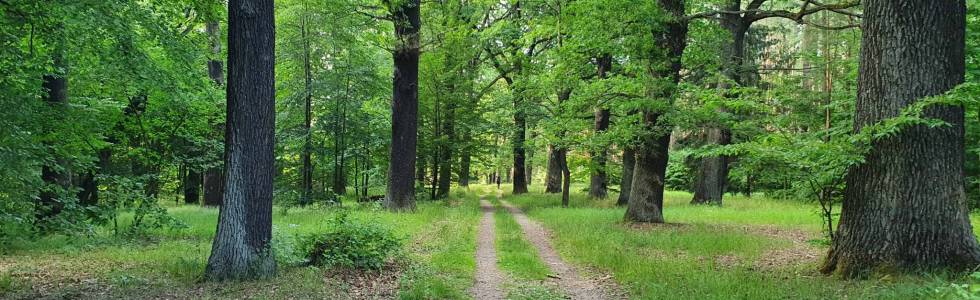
[(404, 108), (241, 245), (552, 179), (905, 208), (214, 177), (712, 176), (625, 186), (647, 193), (599, 181)]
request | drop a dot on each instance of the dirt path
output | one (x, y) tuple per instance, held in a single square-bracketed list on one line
[(488, 276), (566, 277)]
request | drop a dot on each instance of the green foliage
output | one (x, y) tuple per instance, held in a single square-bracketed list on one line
[(352, 243)]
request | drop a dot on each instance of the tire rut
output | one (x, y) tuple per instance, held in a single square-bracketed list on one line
[(488, 276)]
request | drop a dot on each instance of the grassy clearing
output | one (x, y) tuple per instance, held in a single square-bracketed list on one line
[(749, 249), (438, 261)]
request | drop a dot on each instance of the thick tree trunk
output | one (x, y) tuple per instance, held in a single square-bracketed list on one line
[(625, 186), (192, 187), (647, 193), (552, 179), (598, 183), (214, 177), (712, 176), (241, 247), (520, 132), (709, 184), (905, 208), (404, 108)]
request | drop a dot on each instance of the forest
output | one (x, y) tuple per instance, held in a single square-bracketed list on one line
[(489, 149)]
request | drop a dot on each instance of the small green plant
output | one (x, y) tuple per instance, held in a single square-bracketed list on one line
[(352, 243)]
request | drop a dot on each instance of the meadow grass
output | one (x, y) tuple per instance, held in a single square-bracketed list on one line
[(706, 252), (439, 240)]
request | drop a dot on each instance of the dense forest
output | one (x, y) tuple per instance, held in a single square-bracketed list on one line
[(489, 149)]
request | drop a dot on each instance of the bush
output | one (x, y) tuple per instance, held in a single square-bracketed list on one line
[(352, 243)]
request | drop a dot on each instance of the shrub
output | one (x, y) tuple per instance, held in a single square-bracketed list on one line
[(352, 243)]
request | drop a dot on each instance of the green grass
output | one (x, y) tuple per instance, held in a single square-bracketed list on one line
[(515, 255), (439, 254), (705, 252)]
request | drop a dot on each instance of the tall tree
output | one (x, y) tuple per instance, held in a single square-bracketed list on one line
[(904, 207), (712, 173), (53, 174), (241, 248), (404, 105), (214, 177), (649, 175), (597, 186)]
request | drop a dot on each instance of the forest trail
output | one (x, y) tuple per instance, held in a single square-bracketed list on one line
[(565, 276), (488, 276)]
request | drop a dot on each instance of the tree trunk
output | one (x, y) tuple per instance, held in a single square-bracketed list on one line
[(404, 108), (709, 184), (647, 193), (306, 157), (54, 176), (192, 187), (712, 176), (598, 183), (214, 178), (520, 131), (241, 247), (552, 179), (446, 151), (625, 186), (566, 182), (465, 160), (905, 207)]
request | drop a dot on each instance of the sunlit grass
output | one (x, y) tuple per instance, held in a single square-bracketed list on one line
[(439, 246), (704, 252)]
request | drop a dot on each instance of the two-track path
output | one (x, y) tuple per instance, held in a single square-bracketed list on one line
[(568, 279)]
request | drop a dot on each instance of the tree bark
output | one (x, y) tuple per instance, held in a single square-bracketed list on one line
[(192, 187), (241, 245), (404, 108), (566, 182), (598, 183), (214, 178), (520, 132), (446, 151), (625, 186), (553, 177), (712, 176), (647, 193), (709, 184), (905, 208)]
